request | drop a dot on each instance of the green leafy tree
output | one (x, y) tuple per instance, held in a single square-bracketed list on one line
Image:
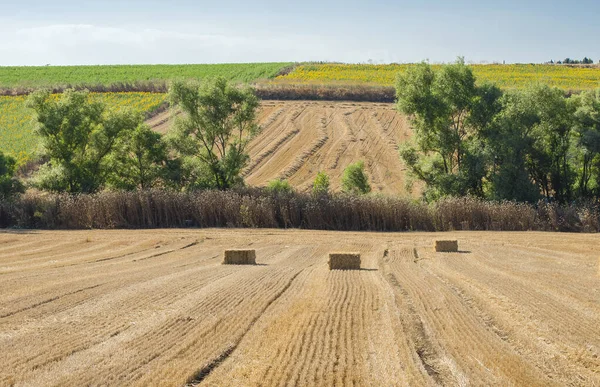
[(78, 135), (9, 185), (321, 185), (509, 145), (552, 143), (550, 131), (355, 180), (140, 160), (217, 123), (531, 144), (448, 112), (586, 108)]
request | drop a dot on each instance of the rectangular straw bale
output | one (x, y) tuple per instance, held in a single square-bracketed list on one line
[(344, 261), (239, 257), (446, 246)]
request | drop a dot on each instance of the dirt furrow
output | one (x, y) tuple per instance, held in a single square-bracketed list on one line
[(527, 318), (451, 326), (157, 307), (61, 278), (318, 335), (267, 144), (102, 312), (183, 335)]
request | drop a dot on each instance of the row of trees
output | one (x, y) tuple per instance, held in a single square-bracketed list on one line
[(90, 148), (473, 139), (585, 60)]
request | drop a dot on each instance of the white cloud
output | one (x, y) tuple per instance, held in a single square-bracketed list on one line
[(92, 44)]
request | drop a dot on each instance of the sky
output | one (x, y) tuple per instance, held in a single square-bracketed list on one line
[(78, 32)]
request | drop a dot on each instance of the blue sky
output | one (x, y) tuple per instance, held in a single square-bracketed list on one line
[(62, 32)]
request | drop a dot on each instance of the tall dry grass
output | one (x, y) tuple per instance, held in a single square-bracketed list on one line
[(258, 208), (264, 90), (325, 92), (117, 87)]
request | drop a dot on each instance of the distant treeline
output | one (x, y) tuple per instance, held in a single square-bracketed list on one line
[(585, 60)]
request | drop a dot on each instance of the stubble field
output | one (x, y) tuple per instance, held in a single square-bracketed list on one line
[(300, 138), (156, 307)]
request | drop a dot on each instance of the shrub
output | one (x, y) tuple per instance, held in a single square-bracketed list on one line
[(355, 180), (9, 185), (321, 185), (279, 186)]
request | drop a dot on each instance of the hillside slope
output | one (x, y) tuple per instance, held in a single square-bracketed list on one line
[(301, 138)]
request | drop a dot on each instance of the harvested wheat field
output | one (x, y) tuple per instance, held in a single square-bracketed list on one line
[(301, 138), (157, 307)]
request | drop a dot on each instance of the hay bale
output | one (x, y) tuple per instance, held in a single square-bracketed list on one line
[(344, 261), (446, 246), (239, 257)]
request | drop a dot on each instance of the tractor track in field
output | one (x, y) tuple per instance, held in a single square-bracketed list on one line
[(136, 307), (298, 139), (207, 369)]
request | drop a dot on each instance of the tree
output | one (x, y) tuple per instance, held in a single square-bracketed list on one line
[(531, 143), (549, 162), (355, 180), (586, 108), (321, 185), (78, 135), (217, 123), (509, 145), (9, 185), (448, 112), (140, 160)]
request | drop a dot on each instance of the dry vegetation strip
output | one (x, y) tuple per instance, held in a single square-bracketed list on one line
[(157, 307)]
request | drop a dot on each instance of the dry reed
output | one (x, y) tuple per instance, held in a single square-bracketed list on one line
[(325, 92), (265, 91), (258, 208)]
